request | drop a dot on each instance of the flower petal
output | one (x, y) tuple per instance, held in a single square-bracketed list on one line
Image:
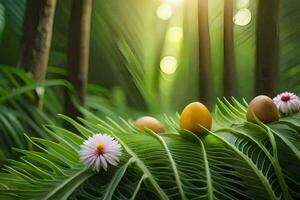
[(91, 158)]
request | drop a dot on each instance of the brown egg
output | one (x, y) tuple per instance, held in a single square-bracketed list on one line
[(151, 123), (194, 117), (263, 108)]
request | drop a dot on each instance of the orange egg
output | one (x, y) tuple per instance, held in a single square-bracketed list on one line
[(263, 108), (195, 117), (151, 123)]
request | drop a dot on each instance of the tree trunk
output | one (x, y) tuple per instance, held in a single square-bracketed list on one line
[(36, 41), (229, 64), (205, 77), (78, 55), (267, 47)]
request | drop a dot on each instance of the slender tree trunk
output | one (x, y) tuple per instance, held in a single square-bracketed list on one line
[(267, 47), (78, 56), (229, 64), (205, 77), (36, 41)]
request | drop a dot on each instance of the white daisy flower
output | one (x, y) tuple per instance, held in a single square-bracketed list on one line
[(287, 103), (99, 151)]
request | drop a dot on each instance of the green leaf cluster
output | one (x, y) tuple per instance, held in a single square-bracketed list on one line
[(236, 160)]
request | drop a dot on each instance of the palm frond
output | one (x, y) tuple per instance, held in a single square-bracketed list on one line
[(237, 161), (18, 113)]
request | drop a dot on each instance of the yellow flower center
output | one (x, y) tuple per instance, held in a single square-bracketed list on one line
[(99, 148)]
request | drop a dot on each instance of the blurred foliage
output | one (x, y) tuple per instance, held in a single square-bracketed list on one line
[(128, 41), (20, 113), (2, 18)]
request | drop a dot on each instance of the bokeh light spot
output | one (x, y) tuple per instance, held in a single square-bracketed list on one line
[(164, 11), (174, 34), (242, 17), (168, 65)]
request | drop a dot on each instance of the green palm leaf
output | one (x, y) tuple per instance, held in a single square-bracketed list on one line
[(18, 114), (240, 160)]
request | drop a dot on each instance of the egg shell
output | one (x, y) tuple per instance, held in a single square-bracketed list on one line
[(264, 108), (151, 123), (194, 117)]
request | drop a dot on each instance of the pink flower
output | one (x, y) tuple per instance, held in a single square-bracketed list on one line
[(287, 103), (100, 151)]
